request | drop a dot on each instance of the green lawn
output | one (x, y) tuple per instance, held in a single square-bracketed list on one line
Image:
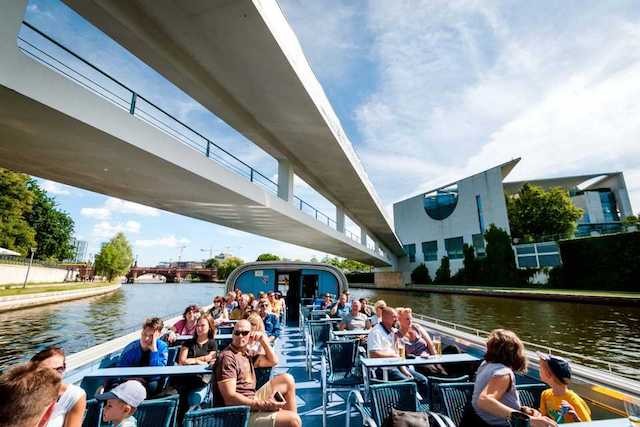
[(7, 290)]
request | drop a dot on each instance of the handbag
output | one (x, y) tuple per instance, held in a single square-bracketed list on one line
[(407, 419)]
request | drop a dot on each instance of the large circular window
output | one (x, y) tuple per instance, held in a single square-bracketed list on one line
[(439, 204)]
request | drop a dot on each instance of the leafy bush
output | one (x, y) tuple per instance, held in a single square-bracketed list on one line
[(420, 275), (268, 257), (499, 266), (443, 273)]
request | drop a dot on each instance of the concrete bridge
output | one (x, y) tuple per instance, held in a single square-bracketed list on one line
[(172, 274), (242, 61)]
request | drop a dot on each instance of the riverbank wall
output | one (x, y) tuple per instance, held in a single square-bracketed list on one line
[(15, 273), (566, 295), (15, 302)]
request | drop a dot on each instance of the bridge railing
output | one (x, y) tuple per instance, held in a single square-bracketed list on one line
[(63, 60)]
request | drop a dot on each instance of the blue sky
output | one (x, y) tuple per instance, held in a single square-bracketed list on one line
[(427, 91)]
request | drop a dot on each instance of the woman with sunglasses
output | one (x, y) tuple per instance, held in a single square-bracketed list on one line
[(186, 325), (69, 409)]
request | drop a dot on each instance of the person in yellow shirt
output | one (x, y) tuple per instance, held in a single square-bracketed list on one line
[(558, 402)]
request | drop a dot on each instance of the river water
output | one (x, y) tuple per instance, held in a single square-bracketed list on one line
[(607, 332)]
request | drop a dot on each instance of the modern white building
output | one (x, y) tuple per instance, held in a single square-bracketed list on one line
[(79, 250), (439, 222)]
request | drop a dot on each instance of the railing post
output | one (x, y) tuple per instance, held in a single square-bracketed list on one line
[(300, 204), (208, 147), (251, 175), (134, 97)]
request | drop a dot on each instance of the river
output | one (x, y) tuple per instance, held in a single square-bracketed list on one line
[(611, 333)]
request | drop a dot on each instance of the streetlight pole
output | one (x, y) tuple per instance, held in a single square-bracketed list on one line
[(26, 277)]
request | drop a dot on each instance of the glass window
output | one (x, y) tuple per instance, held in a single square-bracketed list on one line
[(441, 203), (453, 247), (480, 214), (609, 208), (478, 244), (549, 260), (527, 262), (410, 249), (430, 250)]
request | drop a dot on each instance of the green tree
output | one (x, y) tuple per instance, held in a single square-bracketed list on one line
[(16, 202), (470, 272), (420, 275), (53, 227), (268, 257), (443, 273), (534, 213), (631, 220), (227, 266), (115, 258), (212, 263), (349, 265), (499, 266)]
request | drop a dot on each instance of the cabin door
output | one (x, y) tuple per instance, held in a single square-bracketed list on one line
[(289, 286)]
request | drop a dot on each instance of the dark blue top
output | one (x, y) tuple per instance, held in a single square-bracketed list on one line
[(272, 325), (133, 356)]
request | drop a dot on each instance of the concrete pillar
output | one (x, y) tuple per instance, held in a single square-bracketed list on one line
[(339, 219), (363, 236), (285, 180)]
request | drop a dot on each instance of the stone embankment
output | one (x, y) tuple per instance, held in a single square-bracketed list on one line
[(15, 302)]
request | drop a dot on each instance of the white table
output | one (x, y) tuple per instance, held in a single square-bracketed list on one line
[(352, 333), (618, 422), (150, 371)]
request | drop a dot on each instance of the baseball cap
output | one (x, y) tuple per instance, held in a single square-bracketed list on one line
[(131, 392), (559, 367)]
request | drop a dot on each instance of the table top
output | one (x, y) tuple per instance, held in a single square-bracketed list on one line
[(381, 362), (353, 332), (150, 371), (618, 422)]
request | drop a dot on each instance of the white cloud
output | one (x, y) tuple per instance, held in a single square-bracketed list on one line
[(55, 188), (96, 213), (106, 229), (167, 241), (122, 206)]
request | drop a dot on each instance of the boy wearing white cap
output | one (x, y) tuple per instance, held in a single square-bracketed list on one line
[(122, 402)]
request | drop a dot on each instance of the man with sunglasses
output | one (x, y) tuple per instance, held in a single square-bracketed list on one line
[(236, 380)]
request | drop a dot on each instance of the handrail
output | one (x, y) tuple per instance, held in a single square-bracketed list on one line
[(621, 369), (135, 109)]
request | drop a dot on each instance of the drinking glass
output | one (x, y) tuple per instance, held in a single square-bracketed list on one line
[(633, 412), (437, 343)]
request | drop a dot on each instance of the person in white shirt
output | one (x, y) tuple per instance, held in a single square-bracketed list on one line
[(382, 343)]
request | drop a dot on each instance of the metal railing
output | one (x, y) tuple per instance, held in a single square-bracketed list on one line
[(590, 361), (137, 105), (18, 260)]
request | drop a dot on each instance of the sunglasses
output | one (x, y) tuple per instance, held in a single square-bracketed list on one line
[(243, 333)]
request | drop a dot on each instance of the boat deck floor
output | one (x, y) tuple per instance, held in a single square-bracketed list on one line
[(290, 349)]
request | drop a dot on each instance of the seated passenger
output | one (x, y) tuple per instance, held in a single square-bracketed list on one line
[(495, 396), (405, 320), (382, 342), (326, 303), (29, 393), (186, 325), (236, 381), (200, 350), (121, 404), (415, 344), (241, 310), (69, 408), (276, 304), (341, 308), (257, 329), (230, 301), (558, 402), (354, 319), (218, 312), (366, 308), (147, 351), (379, 305), (271, 322)]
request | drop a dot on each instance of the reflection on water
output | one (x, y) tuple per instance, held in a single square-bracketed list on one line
[(610, 333), (79, 324)]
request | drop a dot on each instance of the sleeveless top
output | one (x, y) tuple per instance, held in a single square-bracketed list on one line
[(510, 398), (65, 402)]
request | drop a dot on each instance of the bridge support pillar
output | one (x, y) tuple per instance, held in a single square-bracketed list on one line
[(363, 236), (285, 180), (339, 219)]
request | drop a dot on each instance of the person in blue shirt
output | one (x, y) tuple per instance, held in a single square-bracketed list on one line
[(342, 307), (149, 350), (271, 323)]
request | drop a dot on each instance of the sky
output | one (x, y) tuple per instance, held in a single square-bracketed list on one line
[(427, 91)]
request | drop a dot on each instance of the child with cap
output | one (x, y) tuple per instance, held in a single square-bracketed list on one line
[(122, 402), (559, 403)]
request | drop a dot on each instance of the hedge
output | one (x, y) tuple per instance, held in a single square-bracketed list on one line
[(360, 277)]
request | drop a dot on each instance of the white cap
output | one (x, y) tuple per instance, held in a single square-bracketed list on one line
[(131, 392)]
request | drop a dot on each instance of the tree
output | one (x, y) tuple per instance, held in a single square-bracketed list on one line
[(16, 201), (631, 220), (470, 272), (227, 266), (443, 273), (115, 258), (212, 263), (534, 213), (268, 257), (420, 275), (53, 228), (499, 266), (346, 265)]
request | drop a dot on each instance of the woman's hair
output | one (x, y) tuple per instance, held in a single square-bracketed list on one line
[(212, 328), (504, 346), (47, 353), (380, 304), (256, 322), (188, 309)]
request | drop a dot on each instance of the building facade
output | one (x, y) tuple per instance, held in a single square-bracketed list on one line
[(79, 250), (439, 222)]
